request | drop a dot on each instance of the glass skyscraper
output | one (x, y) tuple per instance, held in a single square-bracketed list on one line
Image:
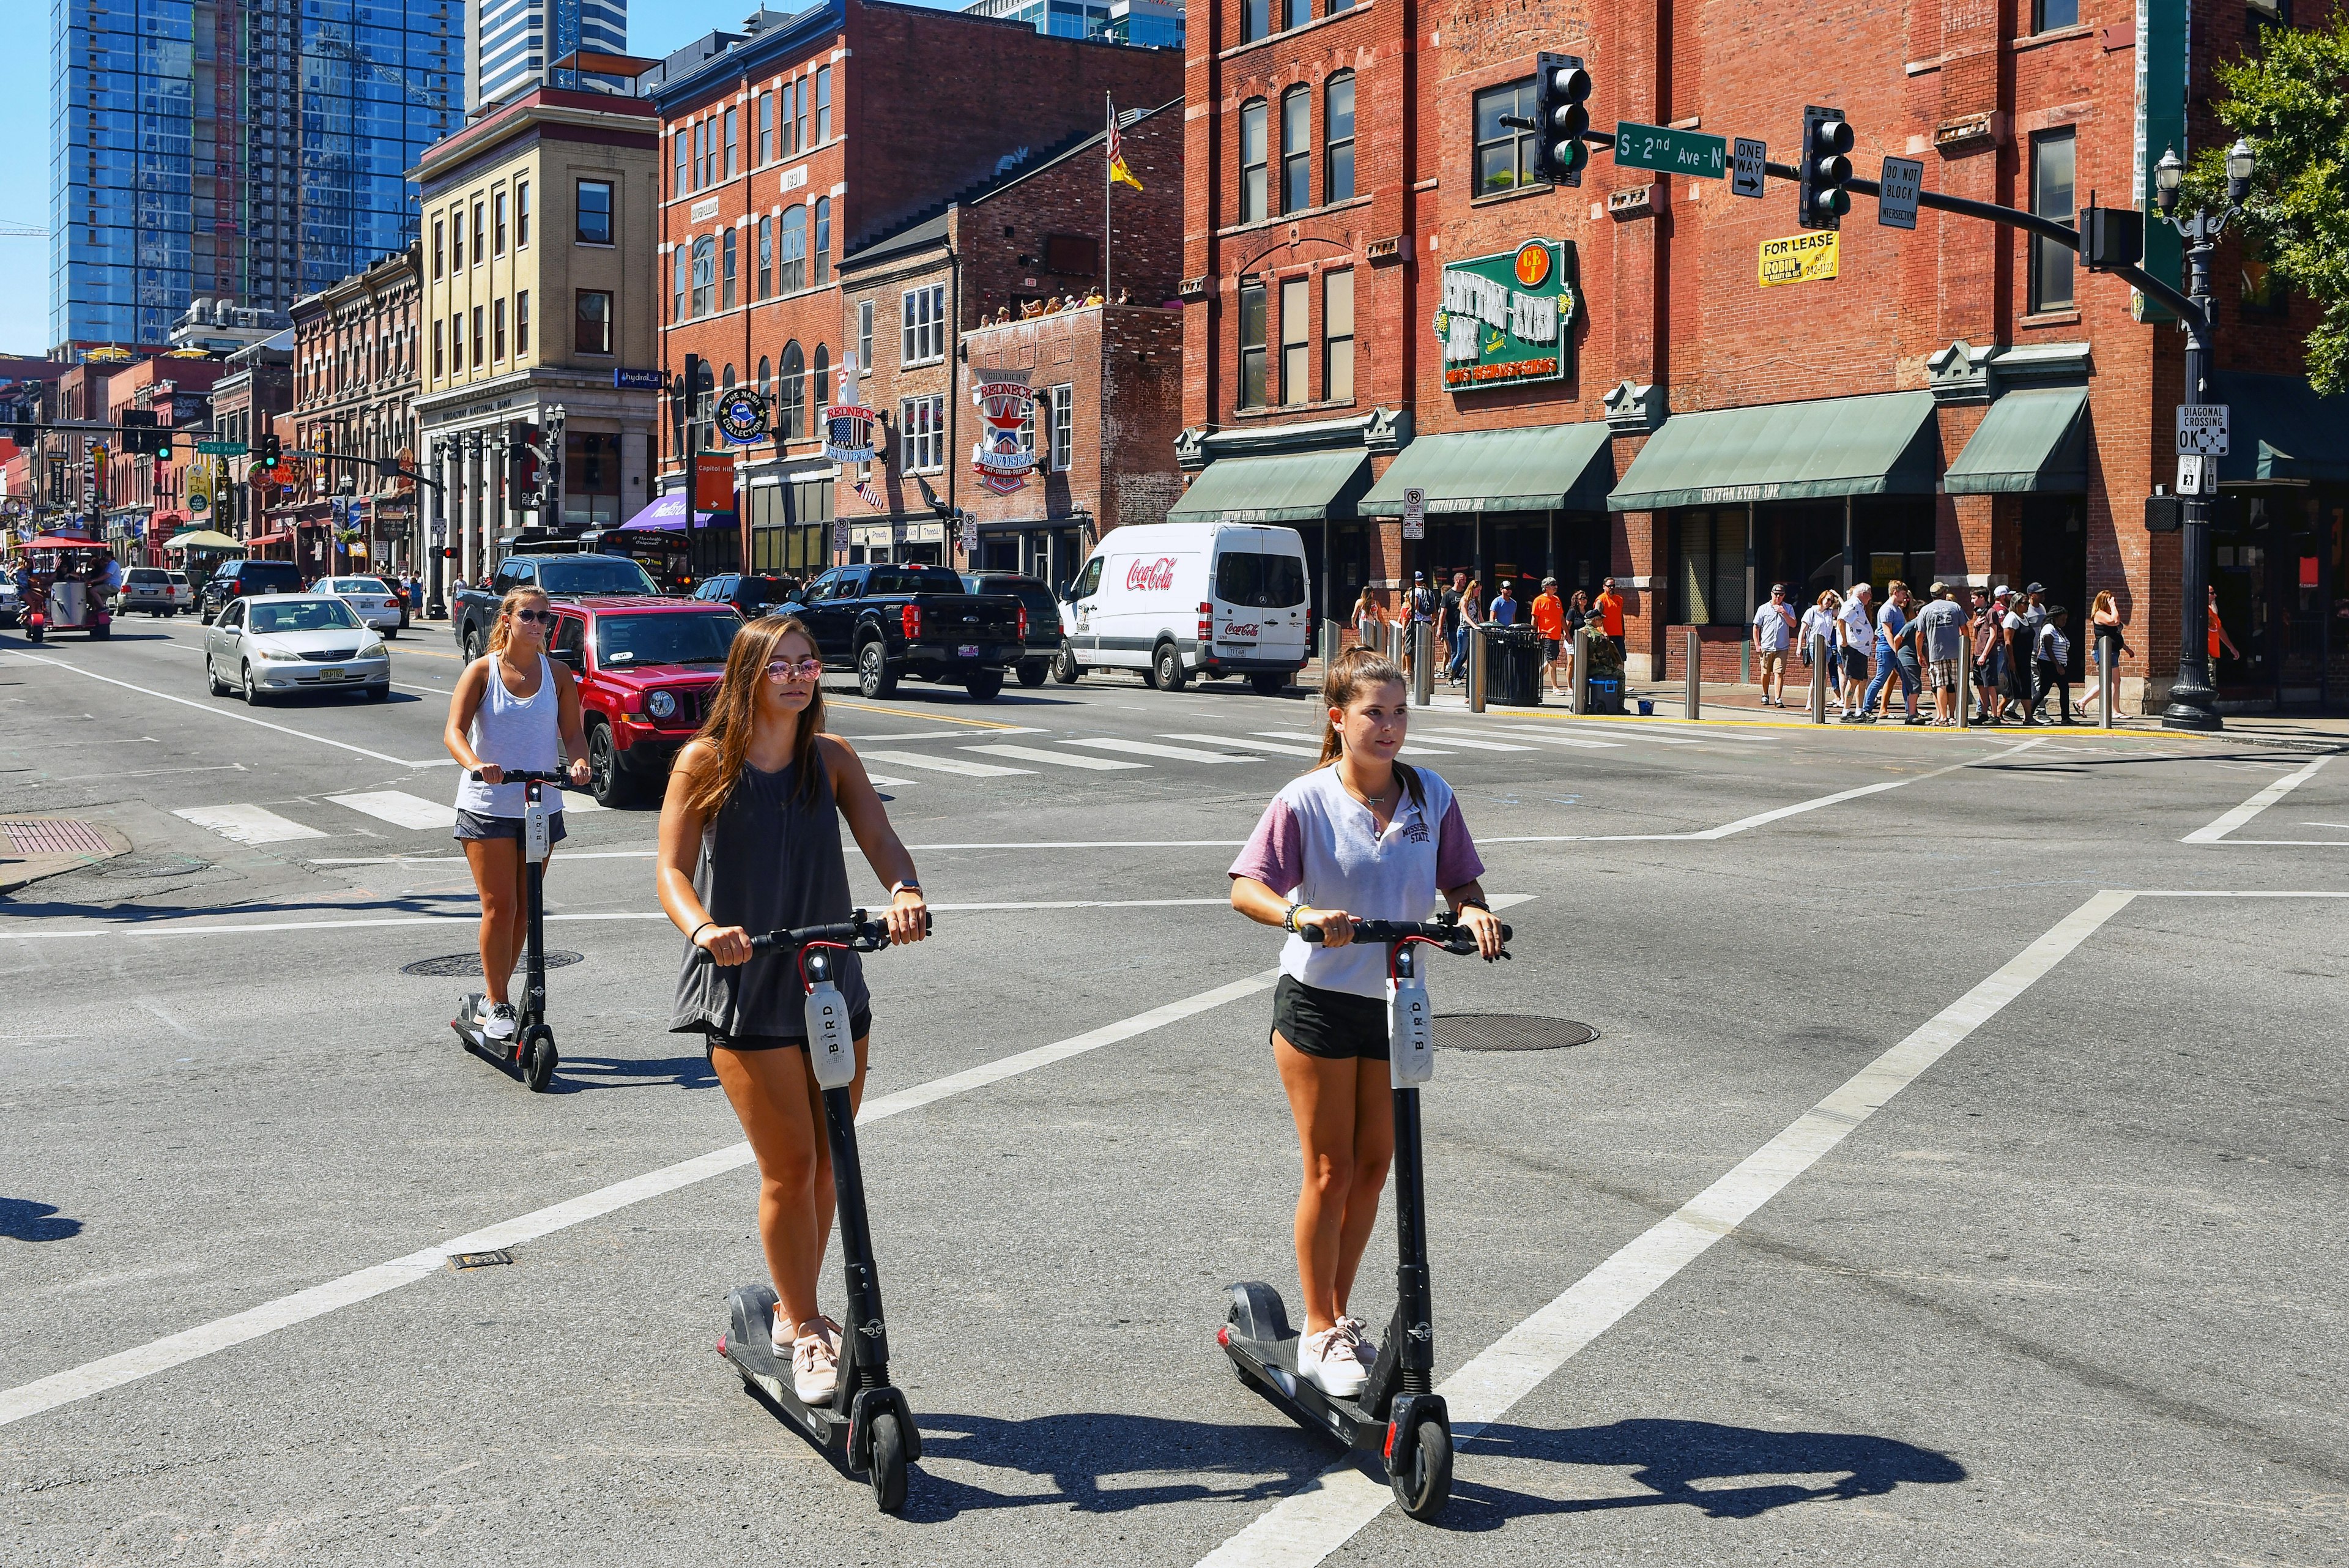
[(254, 150), (520, 39)]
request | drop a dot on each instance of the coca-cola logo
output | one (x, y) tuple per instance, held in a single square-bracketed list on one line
[(1234, 628), (1151, 576)]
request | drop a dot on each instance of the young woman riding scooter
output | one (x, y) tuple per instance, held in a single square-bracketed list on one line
[(750, 842), (511, 707), (1361, 837)]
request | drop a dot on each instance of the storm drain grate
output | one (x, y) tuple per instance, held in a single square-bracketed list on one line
[(55, 835), (470, 964), (1509, 1032)]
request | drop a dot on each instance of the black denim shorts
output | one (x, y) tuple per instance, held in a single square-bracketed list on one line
[(472, 824), (859, 1027), (1334, 1025)]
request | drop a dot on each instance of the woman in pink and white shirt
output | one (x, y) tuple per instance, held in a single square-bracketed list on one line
[(1362, 836)]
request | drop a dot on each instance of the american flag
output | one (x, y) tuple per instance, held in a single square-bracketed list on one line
[(870, 496)]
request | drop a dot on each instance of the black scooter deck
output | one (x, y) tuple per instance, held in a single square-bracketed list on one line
[(749, 1344), (1271, 1366)]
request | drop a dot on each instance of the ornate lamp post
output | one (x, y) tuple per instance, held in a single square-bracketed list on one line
[(2193, 704)]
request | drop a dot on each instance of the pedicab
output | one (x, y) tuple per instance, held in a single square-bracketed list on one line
[(67, 587)]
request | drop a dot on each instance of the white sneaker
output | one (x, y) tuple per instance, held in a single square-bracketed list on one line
[(1327, 1361), (501, 1021), (1366, 1349), (815, 1369)]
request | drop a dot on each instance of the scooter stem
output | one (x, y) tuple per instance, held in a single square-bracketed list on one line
[(1414, 1314), (534, 995), (865, 1326)]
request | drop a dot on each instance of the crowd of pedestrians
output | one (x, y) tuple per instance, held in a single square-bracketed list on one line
[(1452, 614)]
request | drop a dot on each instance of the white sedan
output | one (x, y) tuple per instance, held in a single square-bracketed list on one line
[(368, 597), (275, 643)]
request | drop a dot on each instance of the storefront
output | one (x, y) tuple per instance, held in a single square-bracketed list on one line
[(2031, 452), (1308, 477), (791, 523), (2280, 530), (1048, 549), (1514, 505)]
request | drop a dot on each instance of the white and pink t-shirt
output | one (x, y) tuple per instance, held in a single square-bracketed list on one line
[(1318, 844)]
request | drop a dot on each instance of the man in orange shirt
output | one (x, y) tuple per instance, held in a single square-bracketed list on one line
[(1610, 611), (2218, 638), (1549, 624)]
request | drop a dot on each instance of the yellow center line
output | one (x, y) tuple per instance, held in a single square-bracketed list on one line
[(2075, 732), (920, 713)]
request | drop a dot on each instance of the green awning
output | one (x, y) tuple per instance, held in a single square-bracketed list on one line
[(2278, 429), (1883, 444), (1544, 468), (1285, 487), (2029, 441)]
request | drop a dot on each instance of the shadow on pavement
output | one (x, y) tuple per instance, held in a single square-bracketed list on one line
[(29, 1221), (144, 914), (576, 1074), (1725, 1472), (1076, 1452)]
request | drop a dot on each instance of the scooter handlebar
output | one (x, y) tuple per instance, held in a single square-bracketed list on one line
[(857, 933), (518, 775), (1449, 935)]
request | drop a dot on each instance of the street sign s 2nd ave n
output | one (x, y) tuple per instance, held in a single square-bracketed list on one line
[(1670, 152)]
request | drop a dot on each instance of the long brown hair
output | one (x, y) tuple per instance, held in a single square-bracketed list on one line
[(733, 711), (516, 597), (1349, 675)]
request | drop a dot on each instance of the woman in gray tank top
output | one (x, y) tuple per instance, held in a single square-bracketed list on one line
[(749, 843)]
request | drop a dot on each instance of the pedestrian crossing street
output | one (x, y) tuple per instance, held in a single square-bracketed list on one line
[(897, 766)]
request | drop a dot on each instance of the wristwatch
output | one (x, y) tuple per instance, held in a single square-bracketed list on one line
[(908, 886)]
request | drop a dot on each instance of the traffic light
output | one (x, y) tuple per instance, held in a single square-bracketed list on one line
[(1560, 117), (2111, 237), (159, 443), (265, 450), (1822, 199), (447, 552), (138, 431), (23, 433)]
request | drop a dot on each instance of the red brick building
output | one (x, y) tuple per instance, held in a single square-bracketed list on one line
[(1959, 402), (795, 146), (1015, 272), (147, 498)]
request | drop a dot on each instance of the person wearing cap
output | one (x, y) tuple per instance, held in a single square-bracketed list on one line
[(1421, 608), (1855, 629), (1549, 624), (1773, 631), (2034, 612), (1941, 631), (1983, 630), (2014, 630)]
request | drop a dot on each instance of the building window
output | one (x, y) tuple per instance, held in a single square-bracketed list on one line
[(521, 324), (1295, 150), (1251, 345), (497, 329), (677, 286), (440, 240), (1256, 19), (595, 321), (439, 358), (1338, 130), (791, 394), (477, 335), (823, 103), (457, 340), (594, 208), (1252, 157), (791, 121), (1709, 587), (822, 367), (1296, 13), (766, 128), (677, 187), (498, 232), (479, 235), (794, 250), (1337, 337), (864, 334), (921, 443), (2051, 197), (591, 479), (1505, 155), (1295, 340), (924, 335), (822, 267), (705, 136), (732, 163), (705, 274), (766, 257), (2046, 16), (732, 244), (1063, 417), (522, 213), (801, 117), (766, 382)]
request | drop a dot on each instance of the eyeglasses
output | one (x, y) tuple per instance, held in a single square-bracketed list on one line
[(781, 669), (535, 618)]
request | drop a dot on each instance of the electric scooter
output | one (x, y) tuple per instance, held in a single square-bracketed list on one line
[(531, 1053), (1397, 1413), (867, 1425)]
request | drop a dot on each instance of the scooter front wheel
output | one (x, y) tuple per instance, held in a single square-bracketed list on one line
[(888, 1471), (1425, 1485), (538, 1058)]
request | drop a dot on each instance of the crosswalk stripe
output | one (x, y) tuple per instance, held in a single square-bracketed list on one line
[(1058, 759), (399, 808), (882, 781), (1453, 738), (1412, 751), (1152, 749), (1283, 748), (945, 764), (1553, 738), (246, 823), (1625, 733)]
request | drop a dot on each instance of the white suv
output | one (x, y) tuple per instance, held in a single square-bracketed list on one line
[(156, 591)]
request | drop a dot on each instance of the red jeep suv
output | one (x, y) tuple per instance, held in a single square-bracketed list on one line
[(646, 667)]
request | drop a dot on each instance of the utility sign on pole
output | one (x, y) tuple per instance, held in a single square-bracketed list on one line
[(2202, 428), (1746, 158), (1414, 513), (2195, 476), (1896, 192)]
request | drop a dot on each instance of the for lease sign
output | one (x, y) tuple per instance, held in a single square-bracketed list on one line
[(1507, 317), (1799, 258)]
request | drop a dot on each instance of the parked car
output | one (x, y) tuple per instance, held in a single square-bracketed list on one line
[(886, 622), (12, 603), (752, 594), (1043, 638), (265, 646), (645, 668), (473, 611), (370, 598), (155, 590), (1177, 599), (242, 579)]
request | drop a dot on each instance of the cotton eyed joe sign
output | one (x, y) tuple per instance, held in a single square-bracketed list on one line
[(1508, 318)]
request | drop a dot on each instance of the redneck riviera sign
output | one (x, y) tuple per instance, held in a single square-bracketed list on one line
[(1506, 317), (1002, 456)]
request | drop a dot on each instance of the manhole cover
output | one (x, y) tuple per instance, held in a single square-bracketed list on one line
[(470, 963), (157, 865), (1509, 1032)]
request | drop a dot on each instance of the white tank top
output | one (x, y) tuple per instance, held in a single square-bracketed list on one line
[(515, 733)]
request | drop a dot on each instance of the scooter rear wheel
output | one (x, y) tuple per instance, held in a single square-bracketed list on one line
[(538, 1058), (1424, 1486), (888, 1471)]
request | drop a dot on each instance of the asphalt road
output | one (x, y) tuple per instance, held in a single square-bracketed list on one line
[(1956, 1178)]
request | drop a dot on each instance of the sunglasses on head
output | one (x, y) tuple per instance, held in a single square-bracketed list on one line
[(535, 618), (794, 669)]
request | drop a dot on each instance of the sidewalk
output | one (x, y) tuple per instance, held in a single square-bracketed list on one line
[(38, 846)]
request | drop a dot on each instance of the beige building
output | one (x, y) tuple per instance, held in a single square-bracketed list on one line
[(538, 226)]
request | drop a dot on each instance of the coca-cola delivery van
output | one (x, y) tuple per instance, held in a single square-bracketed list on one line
[(1176, 600)]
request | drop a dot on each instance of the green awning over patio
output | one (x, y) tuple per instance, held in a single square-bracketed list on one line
[(2029, 441), (1544, 468), (1884, 443), (1284, 487), (2278, 429)]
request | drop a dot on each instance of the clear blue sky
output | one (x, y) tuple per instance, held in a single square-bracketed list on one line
[(655, 27)]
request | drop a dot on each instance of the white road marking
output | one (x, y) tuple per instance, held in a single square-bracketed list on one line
[(1555, 738), (1626, 732), (303, 1306), (1406, 751), (946, 764), (401, 809), (1302, 1530), (942, 734), (1278, 748), (1454, 738), (220, 712), (2228, 821), (246, 823), (1152, 749), (882, 781), (1058, 759), (649, 854)]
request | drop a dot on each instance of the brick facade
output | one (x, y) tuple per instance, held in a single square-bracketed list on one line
[(358, 368)]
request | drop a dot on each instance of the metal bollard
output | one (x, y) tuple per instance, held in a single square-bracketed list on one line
[(1476, 669), (1966, 682), (2108, 686), (1695, 676), (1330, 635), (1819, 679), (1422, 664), (1579, 692)]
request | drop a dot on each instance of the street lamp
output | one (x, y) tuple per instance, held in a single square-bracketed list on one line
[(2193, 704)]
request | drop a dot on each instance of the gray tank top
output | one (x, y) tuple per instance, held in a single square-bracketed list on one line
[(768, 862)]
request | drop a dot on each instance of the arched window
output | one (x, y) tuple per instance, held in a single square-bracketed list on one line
[(1295, 150), (1338, 132), (677, 289), (822, 379), (791, 397), (705, 274), (766, 382), (822, 241), (795, 257), (1252, 162), (766, 256)]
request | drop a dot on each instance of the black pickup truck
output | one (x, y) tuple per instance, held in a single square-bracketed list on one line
[(886, 622), (473, 611)]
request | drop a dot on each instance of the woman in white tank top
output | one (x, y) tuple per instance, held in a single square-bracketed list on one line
[(513, 708)]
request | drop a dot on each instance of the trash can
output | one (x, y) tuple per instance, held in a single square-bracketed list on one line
[(1605, 674), (1513, 666)]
